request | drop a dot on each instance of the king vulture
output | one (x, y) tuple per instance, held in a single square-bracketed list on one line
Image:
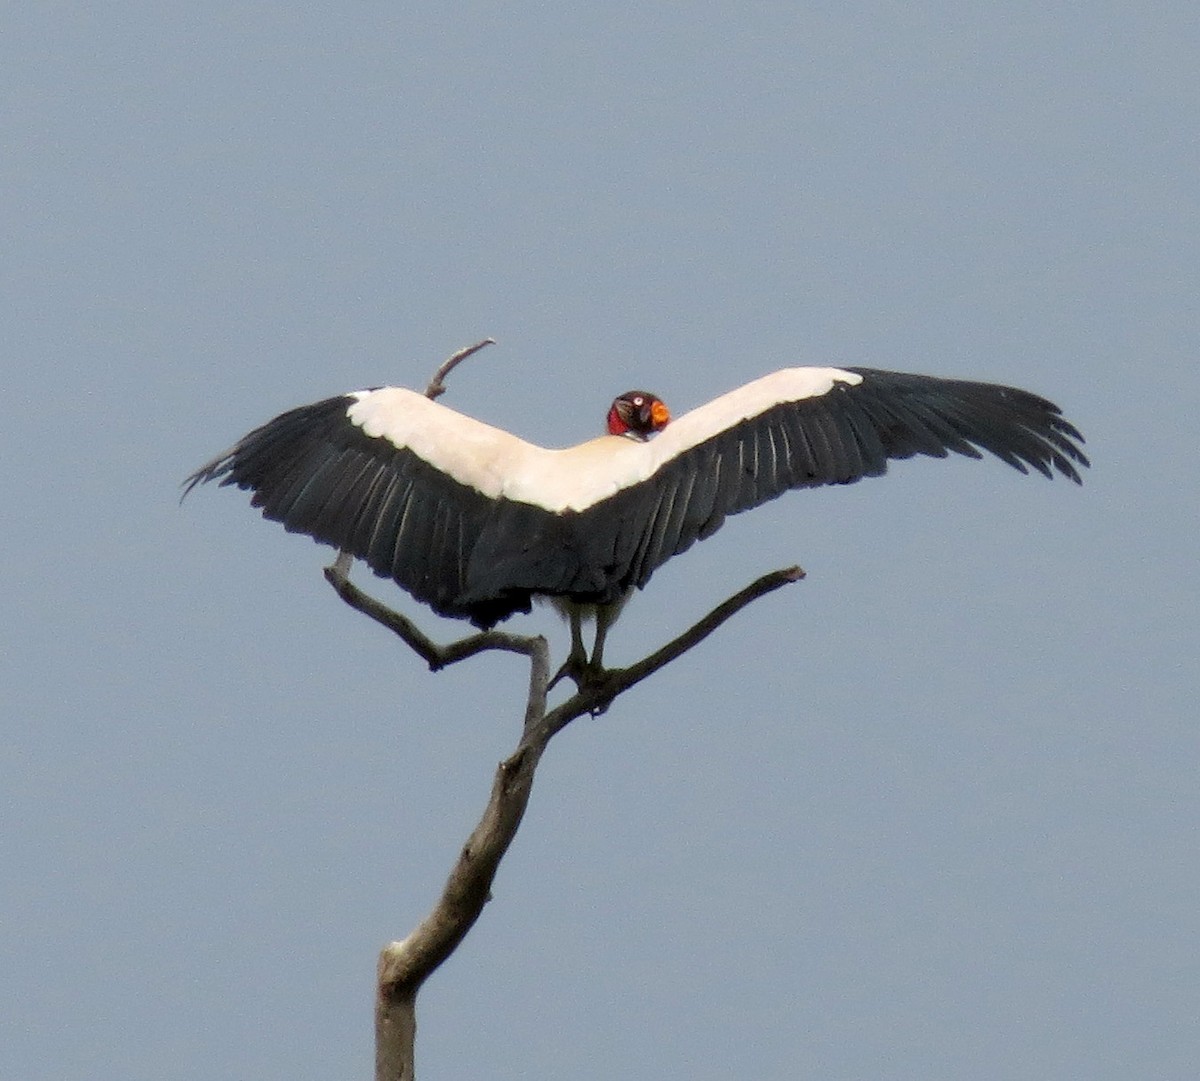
[(476, 522)]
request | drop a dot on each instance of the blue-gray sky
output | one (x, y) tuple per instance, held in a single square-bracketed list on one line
[(931, 813)]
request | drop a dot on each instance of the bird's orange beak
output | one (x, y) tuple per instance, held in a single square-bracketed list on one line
[(660, 416)]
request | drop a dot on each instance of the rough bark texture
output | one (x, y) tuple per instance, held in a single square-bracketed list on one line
[(395, 1031)]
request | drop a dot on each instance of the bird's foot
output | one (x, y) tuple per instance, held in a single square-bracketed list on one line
[(565, 670), (573, 666), (584, 673)]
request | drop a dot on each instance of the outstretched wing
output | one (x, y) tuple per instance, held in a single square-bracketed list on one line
[(391, 477), (474, 521), (807, 427)]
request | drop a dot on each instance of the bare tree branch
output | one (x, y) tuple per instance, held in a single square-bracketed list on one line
[(597, 690), (434, 655), (437, 385), (405, 965)]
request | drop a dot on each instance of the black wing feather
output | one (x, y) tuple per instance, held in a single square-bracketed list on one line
[(478, 558), (317, 473), (839, 437)]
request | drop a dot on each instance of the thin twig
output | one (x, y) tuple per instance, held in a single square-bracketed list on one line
[(597, 691), (626, 677), (435, 655), (437, 385)]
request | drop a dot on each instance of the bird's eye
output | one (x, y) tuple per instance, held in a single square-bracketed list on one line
[(638, 400)]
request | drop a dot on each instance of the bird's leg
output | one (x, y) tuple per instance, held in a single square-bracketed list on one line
[(576, 660), (578, 653), (605, 615)]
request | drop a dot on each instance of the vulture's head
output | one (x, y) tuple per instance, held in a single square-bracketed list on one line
[(637, 414)]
